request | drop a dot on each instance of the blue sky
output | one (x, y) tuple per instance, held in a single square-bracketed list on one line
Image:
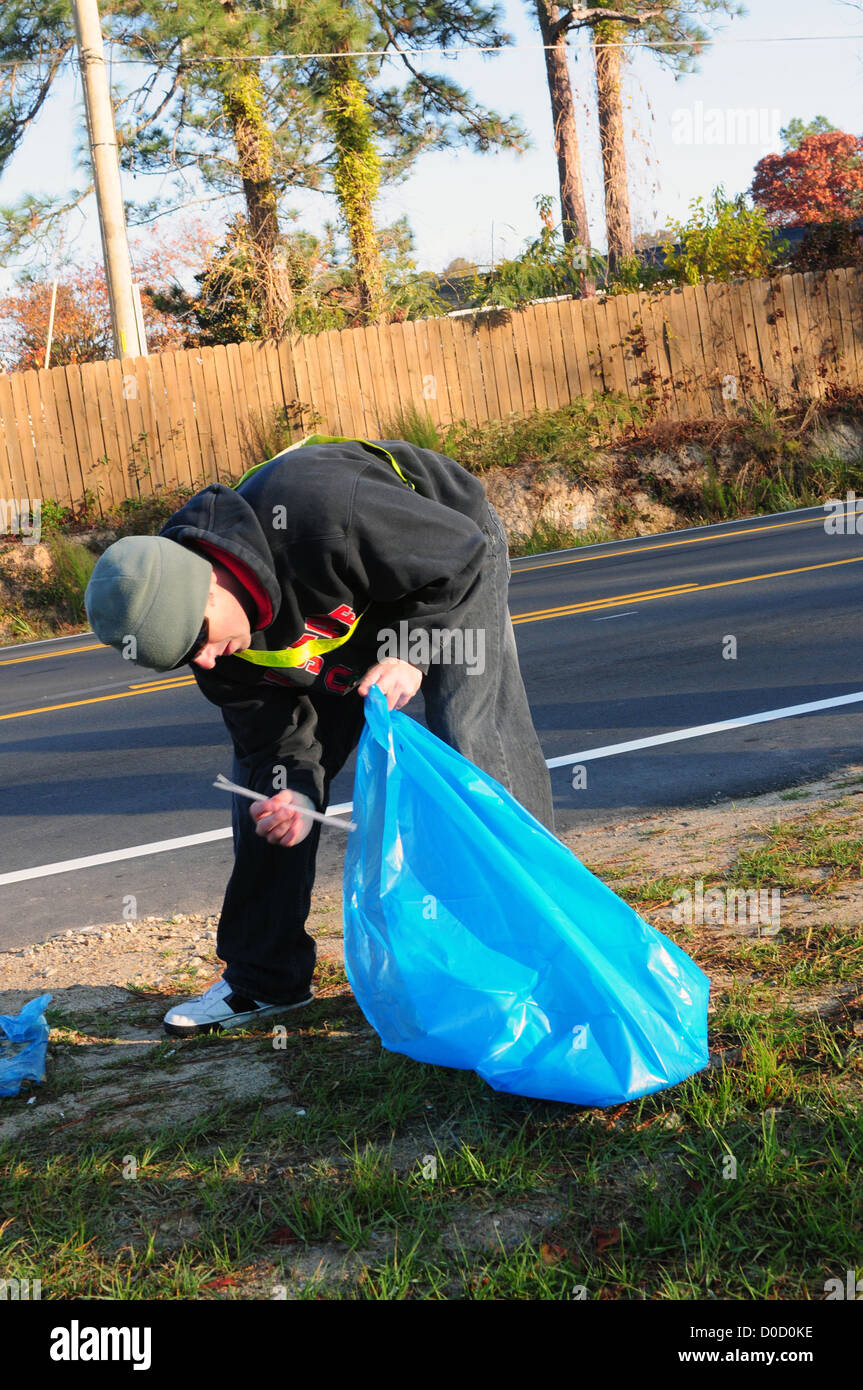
[(684, 137)]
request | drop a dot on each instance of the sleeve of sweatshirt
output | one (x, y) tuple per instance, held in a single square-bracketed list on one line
[(407, 549), (270, 729)]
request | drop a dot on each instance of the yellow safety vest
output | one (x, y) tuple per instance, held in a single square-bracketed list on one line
[(299, 654)]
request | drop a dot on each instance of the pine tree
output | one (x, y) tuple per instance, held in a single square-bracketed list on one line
[(223, 97)]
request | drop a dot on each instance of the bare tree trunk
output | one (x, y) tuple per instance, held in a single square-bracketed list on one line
[(609, 67), (572, 204)]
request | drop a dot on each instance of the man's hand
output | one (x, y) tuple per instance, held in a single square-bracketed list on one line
[(279, 821), (397, 680)]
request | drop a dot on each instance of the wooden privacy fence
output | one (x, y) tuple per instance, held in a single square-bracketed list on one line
[(130, 427)]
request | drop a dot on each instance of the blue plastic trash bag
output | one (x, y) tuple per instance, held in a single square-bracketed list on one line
[(475, 939), (23, 1045)]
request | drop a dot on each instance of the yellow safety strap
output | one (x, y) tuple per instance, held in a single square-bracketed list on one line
[(330, 439), (316, 646)]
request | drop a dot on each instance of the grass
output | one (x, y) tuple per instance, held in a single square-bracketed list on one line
[(833, 846), (370, 1177)]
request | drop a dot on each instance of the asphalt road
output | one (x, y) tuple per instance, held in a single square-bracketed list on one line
[(617, 642)]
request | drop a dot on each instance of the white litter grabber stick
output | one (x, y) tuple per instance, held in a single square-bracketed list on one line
[(226, 786)]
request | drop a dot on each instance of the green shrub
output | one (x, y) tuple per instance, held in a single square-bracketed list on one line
[(414, 425), (568, 438), (723, 238)]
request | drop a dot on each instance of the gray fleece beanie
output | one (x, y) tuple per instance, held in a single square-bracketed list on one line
[(147, 596)]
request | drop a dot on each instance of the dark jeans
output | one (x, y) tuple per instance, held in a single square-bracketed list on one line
[(483, 713)]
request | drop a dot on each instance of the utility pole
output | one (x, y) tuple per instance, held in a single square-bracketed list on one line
[(128, 337)]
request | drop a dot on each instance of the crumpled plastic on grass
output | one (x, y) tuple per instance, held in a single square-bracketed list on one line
[(23, 1045), (475, 939)]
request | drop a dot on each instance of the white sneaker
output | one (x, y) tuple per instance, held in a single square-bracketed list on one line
[(221, 1009)]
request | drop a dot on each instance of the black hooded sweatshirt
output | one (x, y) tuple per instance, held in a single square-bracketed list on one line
[(330, 542)]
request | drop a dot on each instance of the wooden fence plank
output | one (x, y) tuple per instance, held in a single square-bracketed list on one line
[(854, 292), (537, 347), (422, 330), (266, 406), (414, 362), (229, 462), (216, 409), (14, 483), (577, 366), (461, 348), (439, 401), (206, 428), (656, 371), (785, 358), (849, 362), (768, 348), (151, 451), (592, 348), (86, 452), (481, 407), (400, 367), (116, 474), (337, 384), (826, 333), (750, 383), (120, 419), (124, 383), (357, 395), (689, 345), (170, 431), (791, 323), (53, 479), (708, 309), (809, 384), (370, 371), (306, 413), (610, 347), (628, 329), (24, 427), (719, 300), (70, 443), (505, 350), (195, 428), (559, 382), (498, 362), (43, 475), (387, 387), (182, 464), (93, 374), (520, 379), (834, 318)]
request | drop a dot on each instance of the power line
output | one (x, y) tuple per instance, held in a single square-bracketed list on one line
[(395, 53)]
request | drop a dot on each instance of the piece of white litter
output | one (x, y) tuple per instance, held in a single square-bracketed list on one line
[(32, 1100), (299, 1112), (225, 785)]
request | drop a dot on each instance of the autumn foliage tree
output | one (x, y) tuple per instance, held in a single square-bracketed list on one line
[(82, 318), (820, 181)]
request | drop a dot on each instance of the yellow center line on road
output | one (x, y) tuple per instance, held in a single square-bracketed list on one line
[(641, 594), (648, 596), (46, 656), (97, 699), (666, 545), (568, 610)]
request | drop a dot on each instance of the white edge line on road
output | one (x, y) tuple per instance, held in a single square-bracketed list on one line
[(90, 861), (587, 755), (701, 730)]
